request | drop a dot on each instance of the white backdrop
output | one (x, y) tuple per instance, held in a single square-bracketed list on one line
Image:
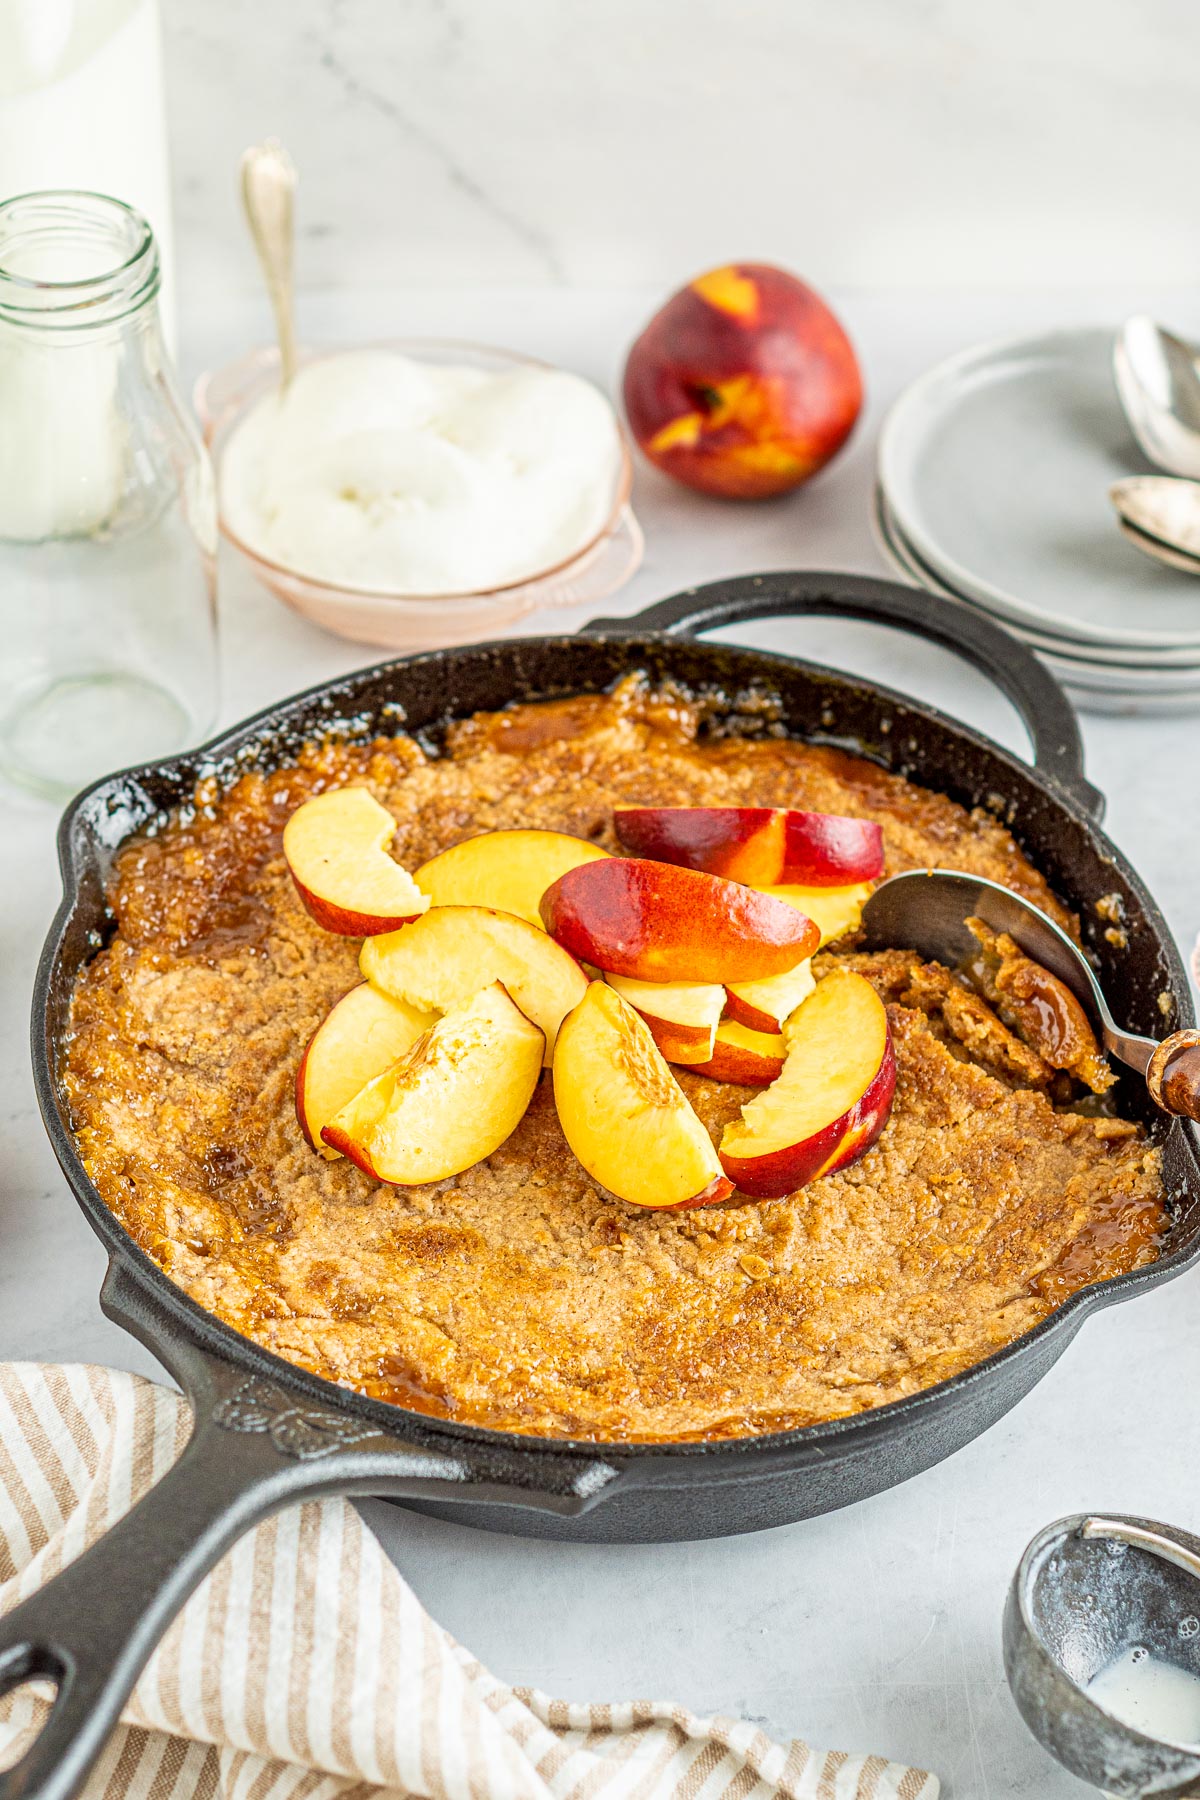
[(866, 143)]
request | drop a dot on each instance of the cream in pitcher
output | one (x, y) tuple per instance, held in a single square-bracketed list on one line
[(81, 106)]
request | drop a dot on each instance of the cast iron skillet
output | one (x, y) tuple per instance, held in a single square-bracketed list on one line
[(266, 1433)]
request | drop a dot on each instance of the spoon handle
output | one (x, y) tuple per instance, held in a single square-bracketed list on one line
[(268, 181), (1173, 1076)]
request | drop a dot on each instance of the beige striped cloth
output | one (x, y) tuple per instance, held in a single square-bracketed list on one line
[(304, 1667)]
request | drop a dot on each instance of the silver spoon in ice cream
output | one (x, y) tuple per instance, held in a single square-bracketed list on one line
[(926, 910), (268, 184)]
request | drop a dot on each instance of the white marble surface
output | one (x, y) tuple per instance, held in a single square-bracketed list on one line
[(897, 142), (877, 1627)]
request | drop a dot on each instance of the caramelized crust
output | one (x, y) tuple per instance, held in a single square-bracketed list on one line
[(1040, 1007), (520, 1294)]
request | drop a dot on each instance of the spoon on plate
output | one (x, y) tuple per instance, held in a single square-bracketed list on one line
[(1158, 382), (927, 910), (1159, 387), (1160, 515), (268, 184)]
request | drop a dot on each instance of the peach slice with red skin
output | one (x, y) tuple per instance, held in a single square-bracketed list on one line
[(653, 921), (749, 1058), (764, 1005), (742, 843), (830, 850), (623, 1113), (451, 1099), (336, 847), (764, 846), (506, 870), (831, 1100), (448, 954), (357, 1039), (682, 1015)]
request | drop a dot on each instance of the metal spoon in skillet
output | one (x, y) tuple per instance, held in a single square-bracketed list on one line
[(926, 910)]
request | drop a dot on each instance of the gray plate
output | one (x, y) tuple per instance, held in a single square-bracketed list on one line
[(1078, 663), (996, 466), (1095, 687), (1174, 665)]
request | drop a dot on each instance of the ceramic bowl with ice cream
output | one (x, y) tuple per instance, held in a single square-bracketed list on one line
[(419, 493)]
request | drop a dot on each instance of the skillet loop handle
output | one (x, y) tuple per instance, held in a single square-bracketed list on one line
[(1047, 713), (1173, 1075)]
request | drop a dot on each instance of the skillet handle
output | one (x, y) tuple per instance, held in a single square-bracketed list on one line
[(1047, 713), (1173, 1075), (92, 1627), (257, 1445)]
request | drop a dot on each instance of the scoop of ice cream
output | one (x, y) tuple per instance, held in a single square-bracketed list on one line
[(384, 473)]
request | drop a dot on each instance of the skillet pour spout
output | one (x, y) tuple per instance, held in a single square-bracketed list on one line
[(267, 1433)]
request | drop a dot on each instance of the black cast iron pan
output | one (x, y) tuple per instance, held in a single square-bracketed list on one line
[(266, 1433)]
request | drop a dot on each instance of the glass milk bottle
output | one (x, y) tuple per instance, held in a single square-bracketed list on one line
[(107, 509), (81, 106)]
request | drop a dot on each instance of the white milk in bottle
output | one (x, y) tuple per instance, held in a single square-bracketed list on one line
[(81, 106)]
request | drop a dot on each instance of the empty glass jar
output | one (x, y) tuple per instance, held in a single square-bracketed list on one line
[(107, 509)]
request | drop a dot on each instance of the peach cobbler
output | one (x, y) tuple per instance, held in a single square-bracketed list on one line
[(542, 1082)]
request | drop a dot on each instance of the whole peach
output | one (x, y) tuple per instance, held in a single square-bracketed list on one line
[(744, 384)]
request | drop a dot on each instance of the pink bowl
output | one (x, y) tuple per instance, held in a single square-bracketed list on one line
[(407, 621)]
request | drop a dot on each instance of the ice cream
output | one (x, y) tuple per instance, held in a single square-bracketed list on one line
[(376, 471)]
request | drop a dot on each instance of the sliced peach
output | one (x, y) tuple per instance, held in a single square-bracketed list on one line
[(742, 843), (760, 845), (507, 870), (358, 1039), (752, 1058), (830, 850), (624, 1114), (447, 955), (832, 1099), (764, 1005), (656, 922), (336, 846), (834, 910), (451, 1100), (682, 1015)]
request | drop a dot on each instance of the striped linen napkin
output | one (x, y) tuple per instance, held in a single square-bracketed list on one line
[(304, 1667)]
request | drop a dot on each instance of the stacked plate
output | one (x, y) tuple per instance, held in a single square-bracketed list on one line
[(994, 470)]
